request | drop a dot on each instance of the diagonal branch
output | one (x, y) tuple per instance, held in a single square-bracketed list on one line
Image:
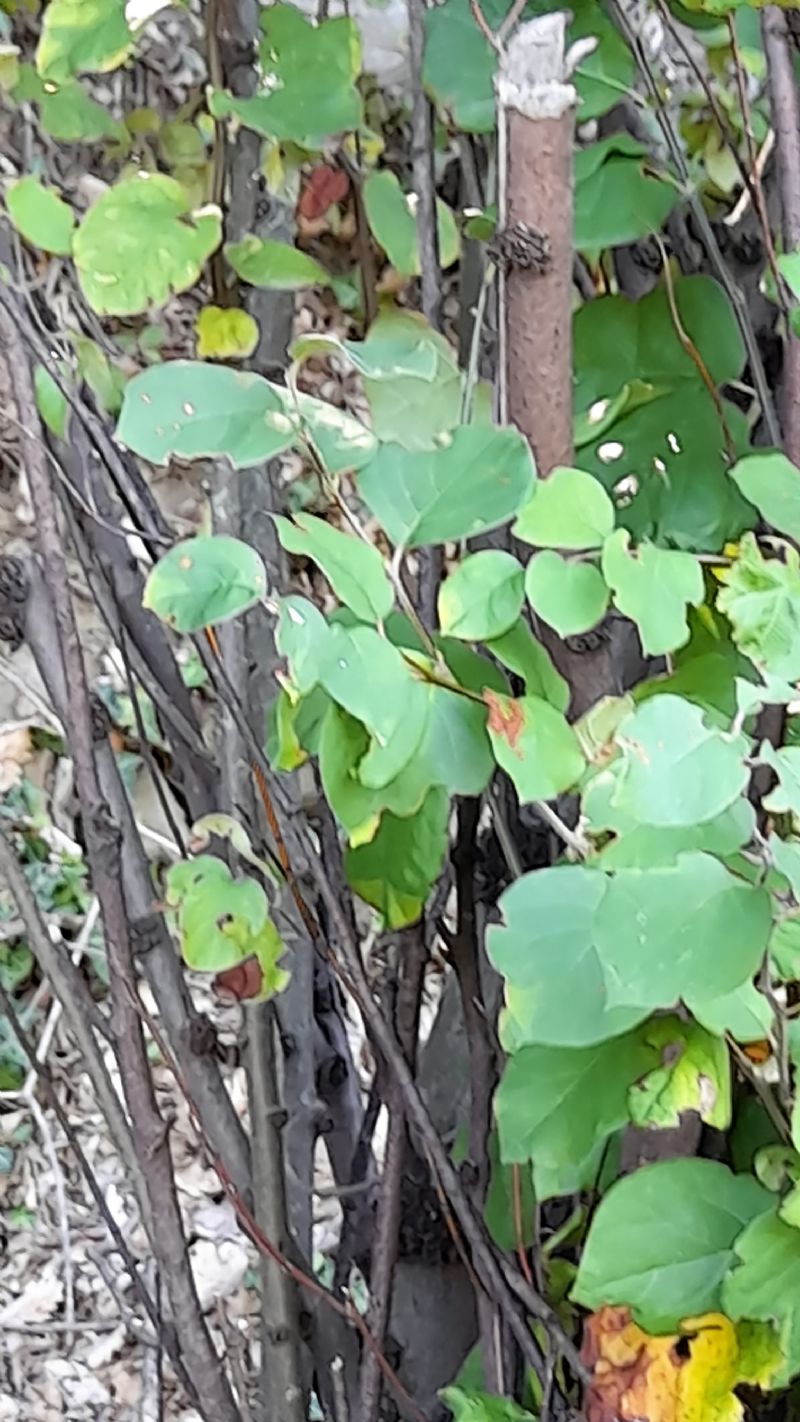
[(103, 839)]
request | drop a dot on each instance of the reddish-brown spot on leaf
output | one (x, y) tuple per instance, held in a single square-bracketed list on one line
[(506, 717), (242, 982), (324, 186)]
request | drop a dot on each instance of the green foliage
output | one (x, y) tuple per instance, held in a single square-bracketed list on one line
[(570, 510), (310, 94), (652, 587), (480, 1407), (761, 596), (40, 216), (353, 568), (668, 931), (571, 597), (460, 63), (659, 444), (772, 483), (194, 410), (534, 745), (275, 264), (222, 921), (663, 1239), (394, 227), (473, 482), (66, 111), (205, 580), (676, 770), (140, 242), (82, 35), (50, 402), (482, 598), (396, 870), (618, 195)]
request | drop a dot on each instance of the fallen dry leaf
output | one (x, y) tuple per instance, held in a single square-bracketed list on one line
[(16, 752), (39, 1300)]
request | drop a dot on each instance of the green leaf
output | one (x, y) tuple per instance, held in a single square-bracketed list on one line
[(519, 650), (205, 580), (225, 333), (67, 112), (367, 676), (761, 596), (106, 381), (396, 871), (474, 482), (481, 1407), (50, 402), (693, 1073), (405, 365), (765, 1283), (534, 744), (676, 770), (546, 949), (140, 242), (662, 1240), (303, 637), (619, 197), (786, 763), (745, 1014), (571, 597), (311, 71), (772, 483), (669, 933), (482, 598), (652, 586), (554, 1104), (453, 752), (648, 459), (82, 35), (785, 855), (353, 568), (393, 224), (638, 846), (195, 411), (570, 509), (340, 440), (40, 215), (274, 264), (218, 916)]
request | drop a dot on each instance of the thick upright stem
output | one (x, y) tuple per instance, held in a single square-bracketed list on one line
[(430, 562), (786, 123), (387, 1222), (279, 1321), (536, 121)]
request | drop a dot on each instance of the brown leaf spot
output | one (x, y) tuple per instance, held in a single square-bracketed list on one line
[(506, 717), (241, 982)]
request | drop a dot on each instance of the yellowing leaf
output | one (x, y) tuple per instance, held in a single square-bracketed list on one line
[(688, 1376), (225, 333)]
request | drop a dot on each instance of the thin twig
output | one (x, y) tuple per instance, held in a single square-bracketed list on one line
[(786, 122), (412, 959), (734, 295)]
